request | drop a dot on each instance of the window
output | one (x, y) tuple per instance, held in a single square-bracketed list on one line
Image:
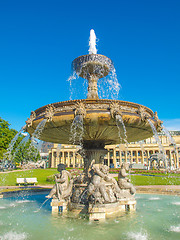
[(122, 153)]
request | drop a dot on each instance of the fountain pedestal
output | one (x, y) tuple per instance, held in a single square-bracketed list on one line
[(102, 211), (59, 206)]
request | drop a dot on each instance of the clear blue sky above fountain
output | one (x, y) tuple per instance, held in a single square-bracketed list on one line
[(39, 40)]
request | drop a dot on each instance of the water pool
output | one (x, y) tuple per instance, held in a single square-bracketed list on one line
[(157, 217)]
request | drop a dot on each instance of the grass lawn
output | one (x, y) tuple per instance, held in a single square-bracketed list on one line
[(148, 180), (9, 179)]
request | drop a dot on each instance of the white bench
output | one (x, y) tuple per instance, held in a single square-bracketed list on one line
[(26, 180)]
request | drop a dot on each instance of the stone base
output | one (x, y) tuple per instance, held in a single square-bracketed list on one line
[(78, 209), (100, 212), (59, 206)]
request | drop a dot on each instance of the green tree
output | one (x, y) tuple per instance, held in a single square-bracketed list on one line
[(21, 153), (25, 153), (6, 135)]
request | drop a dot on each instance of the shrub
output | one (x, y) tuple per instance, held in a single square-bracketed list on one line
[(50, 179)]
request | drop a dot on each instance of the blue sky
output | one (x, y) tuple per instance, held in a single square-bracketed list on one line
[(40, 39)]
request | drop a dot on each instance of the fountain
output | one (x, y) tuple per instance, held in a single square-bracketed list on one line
[(94, 123)]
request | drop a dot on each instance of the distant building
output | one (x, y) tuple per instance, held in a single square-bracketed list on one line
[(46, 146), (44, 153), (134, 153)]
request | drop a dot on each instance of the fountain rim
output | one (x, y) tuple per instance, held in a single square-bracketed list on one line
[(103, 101), (93, 54), (97, 110)]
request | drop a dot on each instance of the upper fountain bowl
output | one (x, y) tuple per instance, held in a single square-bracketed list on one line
[(99, 122), (92, 65)]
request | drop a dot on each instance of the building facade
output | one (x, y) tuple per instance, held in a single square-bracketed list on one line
[(135, 152)]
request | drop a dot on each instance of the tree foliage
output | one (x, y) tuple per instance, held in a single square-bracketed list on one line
[(6, 135), (22, 152)]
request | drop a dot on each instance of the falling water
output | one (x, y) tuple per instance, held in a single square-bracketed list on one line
[(158, 141), (58, 151), (171, 140), (23, 142), (42, 205), (120, 123), (58, 147), (39, 129), (109, 87), (8, 154), (167, 133), (36, 134), (73, 81), (77, 130), (141, 146), (39, 145), (82, 195)]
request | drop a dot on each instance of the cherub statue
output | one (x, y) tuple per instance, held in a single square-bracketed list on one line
[(98, 187), (63, 186), (123, 180)]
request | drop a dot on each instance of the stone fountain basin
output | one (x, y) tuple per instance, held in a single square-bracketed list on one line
[(98, 123), (92, 65)]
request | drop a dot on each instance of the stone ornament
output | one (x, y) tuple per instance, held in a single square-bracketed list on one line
[(30, 120), (80, 109), (142, 112), (159, 122), (115, 109), (62, 190), (50, 111)]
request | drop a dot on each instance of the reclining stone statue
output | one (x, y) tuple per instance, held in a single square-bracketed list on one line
[(123, 180), (102, 187), (63, 186)]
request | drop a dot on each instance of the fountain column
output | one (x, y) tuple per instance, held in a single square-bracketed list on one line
[(120, 158), (63, 161), (92, 87), (52, 161), (131, 157), (136, 156), (177, 159), (114, 157), (142, 155), (74, 163), (126, 156), (170, 156)]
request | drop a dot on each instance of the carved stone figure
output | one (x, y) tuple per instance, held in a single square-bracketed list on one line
[(159, 122), (142, 112), (115, 109), (123, 180), (76, 196), (30, 120), (102, 186), (80, 109), (50, 111), (63, 187)]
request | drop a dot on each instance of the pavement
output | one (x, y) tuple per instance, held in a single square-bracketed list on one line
[(159, 189), (149, 189)]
